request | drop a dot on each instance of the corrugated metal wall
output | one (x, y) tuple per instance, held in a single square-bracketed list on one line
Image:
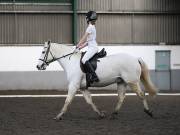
[(133, 21), (120, 21), (110, 28), (156, 28), (129, 5), (98, 5), (34, 23), (35, 28)]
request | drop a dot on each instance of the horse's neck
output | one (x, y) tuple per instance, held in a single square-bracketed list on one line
[(66, 62), (60, 49), (70, 62)]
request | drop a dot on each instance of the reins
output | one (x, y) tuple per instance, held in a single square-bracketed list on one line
[(54, 59)]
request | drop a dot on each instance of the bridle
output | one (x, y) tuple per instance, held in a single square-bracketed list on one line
[(53, 57)]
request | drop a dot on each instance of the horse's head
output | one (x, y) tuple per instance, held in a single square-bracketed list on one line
[(45, 57), (53, 52)]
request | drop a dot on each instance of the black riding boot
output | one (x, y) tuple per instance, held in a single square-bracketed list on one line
[(94, 77)]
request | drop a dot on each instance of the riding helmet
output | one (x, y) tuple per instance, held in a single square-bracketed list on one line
[(91, 15)]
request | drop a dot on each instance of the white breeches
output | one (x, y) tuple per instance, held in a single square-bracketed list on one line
[(89, 54)]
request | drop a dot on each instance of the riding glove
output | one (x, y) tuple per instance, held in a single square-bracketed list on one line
[(76, 50)]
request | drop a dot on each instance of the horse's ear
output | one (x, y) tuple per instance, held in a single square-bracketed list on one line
[(49, 42)]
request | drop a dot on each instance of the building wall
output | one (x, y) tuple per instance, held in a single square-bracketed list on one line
[(129, 5), (138, 29), (133, 21), (27, 23), (34, 28), (120, 21)]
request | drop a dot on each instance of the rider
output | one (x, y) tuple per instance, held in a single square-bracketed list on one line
[(89, 39)]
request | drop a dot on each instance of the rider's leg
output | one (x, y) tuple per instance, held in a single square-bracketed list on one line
[(94, 77), (85, 60)]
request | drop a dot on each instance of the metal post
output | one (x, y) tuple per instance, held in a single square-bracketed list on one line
[(74, 22)]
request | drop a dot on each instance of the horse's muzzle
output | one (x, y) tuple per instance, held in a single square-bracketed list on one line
[(40, 67)]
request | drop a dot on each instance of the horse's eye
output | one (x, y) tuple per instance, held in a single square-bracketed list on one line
[(43, 52)]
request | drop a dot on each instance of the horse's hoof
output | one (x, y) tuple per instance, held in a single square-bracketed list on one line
[(148, 112), (102, 114), (57, 118), (113, 115)]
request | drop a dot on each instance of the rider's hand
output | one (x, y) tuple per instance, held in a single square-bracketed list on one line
[(76, 50)]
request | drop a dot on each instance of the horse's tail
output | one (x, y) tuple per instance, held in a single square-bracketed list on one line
[(146, 80)]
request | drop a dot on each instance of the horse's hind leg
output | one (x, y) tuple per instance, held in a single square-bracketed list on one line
[(121, 89), (136, 88), (88, 98)]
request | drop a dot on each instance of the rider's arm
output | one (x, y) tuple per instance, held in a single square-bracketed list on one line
[(82, 43)]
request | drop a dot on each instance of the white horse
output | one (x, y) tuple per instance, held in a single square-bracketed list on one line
[(121, 69)]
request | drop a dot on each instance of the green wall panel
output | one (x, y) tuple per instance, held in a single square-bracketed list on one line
[(37, 1)]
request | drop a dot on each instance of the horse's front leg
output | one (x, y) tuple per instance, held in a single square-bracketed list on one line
[(73, 87), (88, 98)]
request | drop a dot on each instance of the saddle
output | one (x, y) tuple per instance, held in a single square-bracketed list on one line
[(93, 61)]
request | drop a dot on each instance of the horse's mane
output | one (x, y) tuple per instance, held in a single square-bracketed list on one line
[(65, 48)]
